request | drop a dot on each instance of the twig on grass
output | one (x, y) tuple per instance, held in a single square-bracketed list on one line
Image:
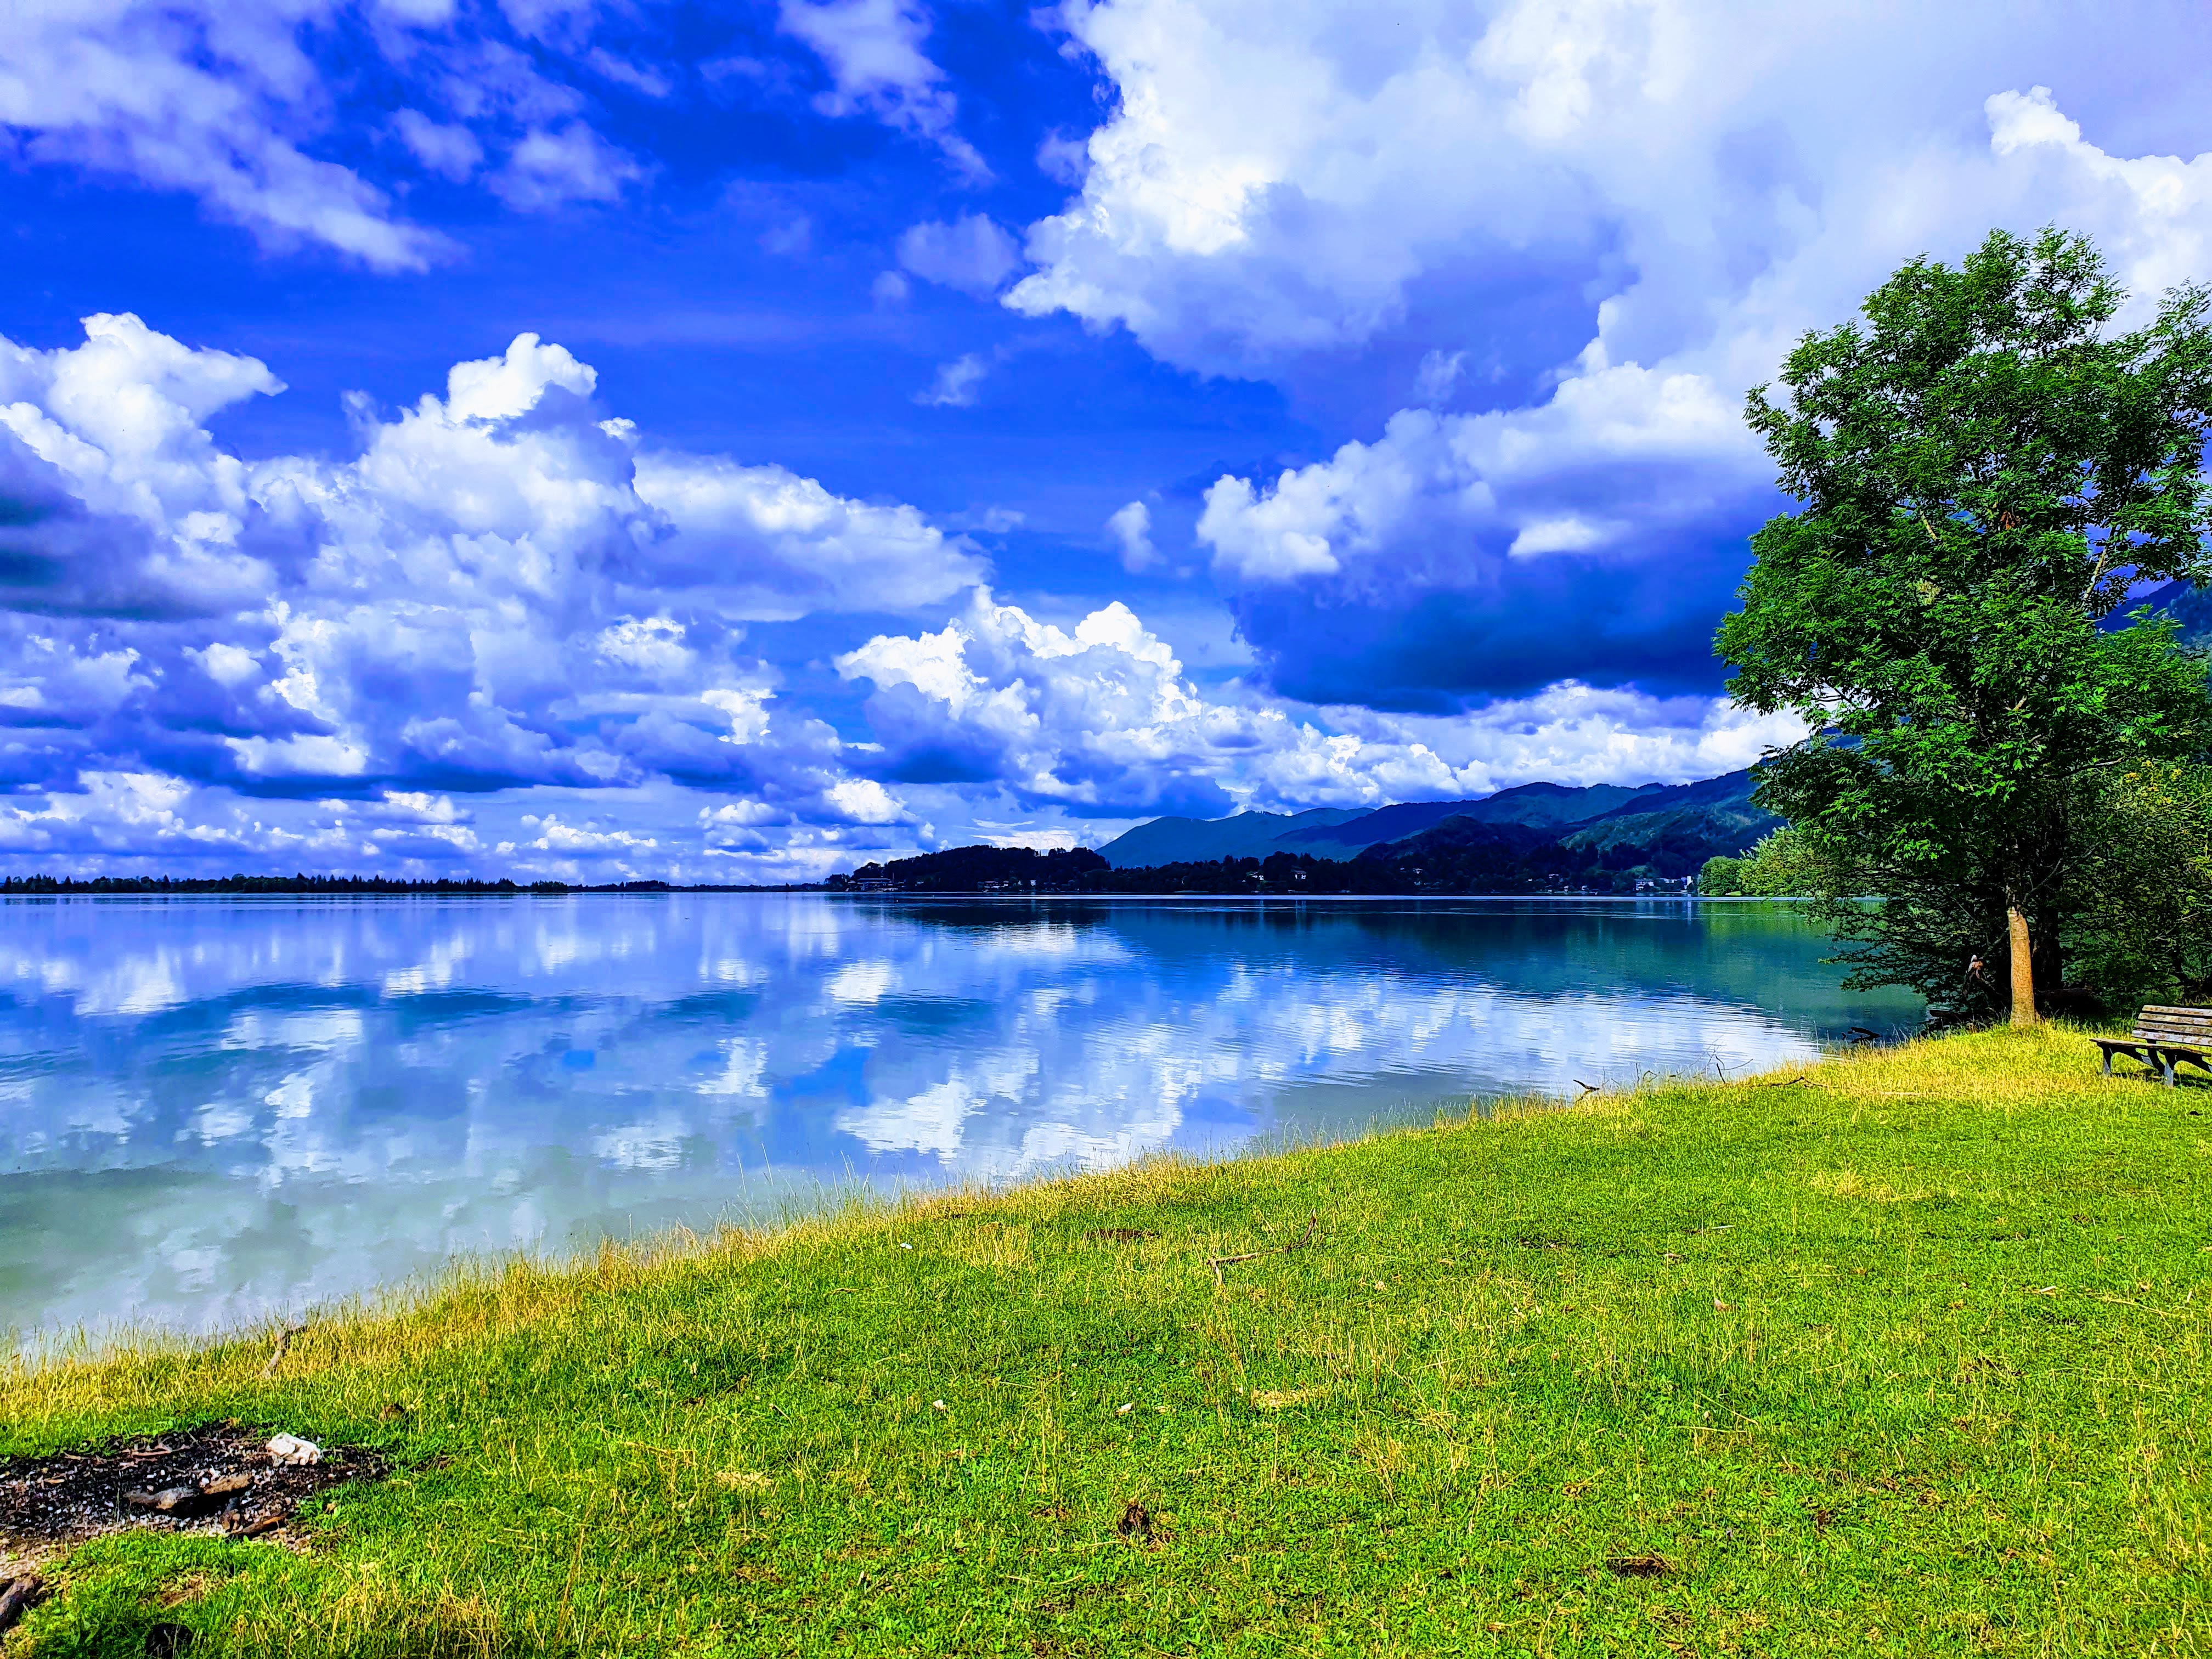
[(1787, 1083), (1217, 1263), (16, 1599)]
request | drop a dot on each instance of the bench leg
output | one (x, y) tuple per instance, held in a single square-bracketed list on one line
[(2108, 1062)]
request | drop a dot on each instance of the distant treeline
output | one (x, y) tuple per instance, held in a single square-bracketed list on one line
[(1488, 859), (295, 883), (982, 870), (1459, 856), (335, 886)]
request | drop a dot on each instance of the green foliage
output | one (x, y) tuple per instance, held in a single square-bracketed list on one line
[(1720, 878), (1787, 864), (2139, 926), (1984, 473), (1784, 865), (1910, 1343)]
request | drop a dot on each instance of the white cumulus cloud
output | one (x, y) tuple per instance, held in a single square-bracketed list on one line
[(1439, 500), (971, 254), (874, 50), (956, 382), (503, 590), (1130, 527), (1688, 183), (229, 102), (1272, 182), (1101, 717)]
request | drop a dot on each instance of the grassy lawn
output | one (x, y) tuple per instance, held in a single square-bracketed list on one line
[(1908, 1358)]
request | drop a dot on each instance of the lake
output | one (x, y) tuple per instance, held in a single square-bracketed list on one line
[(212, 1109)]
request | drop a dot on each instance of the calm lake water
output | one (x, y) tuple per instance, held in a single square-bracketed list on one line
[(212, 1109)]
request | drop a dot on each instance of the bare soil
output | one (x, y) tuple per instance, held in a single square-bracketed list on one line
[(218, 1478)]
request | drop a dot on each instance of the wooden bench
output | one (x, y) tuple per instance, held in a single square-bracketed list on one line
[(2164, 1039)]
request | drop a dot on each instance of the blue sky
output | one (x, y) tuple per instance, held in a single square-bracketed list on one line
[(735, 442)]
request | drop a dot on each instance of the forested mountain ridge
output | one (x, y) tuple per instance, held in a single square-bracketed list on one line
[(1248, 835), (1538, 838), (1687, 821)]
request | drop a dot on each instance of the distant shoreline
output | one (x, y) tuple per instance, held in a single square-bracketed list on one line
[(1357, 898), (327, 896)]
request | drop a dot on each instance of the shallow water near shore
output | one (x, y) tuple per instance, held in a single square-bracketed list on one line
[(215, 1110)]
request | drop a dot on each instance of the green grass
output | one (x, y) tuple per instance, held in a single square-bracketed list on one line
[(1910, 1359)]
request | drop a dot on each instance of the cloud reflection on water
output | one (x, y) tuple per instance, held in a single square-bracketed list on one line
[(210, 1108)]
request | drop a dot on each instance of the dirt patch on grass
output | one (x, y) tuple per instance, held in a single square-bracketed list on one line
[(220, 1478)]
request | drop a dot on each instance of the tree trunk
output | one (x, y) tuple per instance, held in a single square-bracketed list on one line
[(2023, 966)]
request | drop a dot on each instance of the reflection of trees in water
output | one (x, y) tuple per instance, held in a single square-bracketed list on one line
[(1755, 956)]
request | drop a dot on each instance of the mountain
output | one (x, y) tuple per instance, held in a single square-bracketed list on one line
[(1717, 808), (1355, 832), (1551, 804), (1672, 828), (1675, 829), (2189, 607), (1543, 805), (1463, 833), (1189, 840)]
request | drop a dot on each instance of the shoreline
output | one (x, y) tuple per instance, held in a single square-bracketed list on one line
[(965, 897), (1896, 1339), (852, 1199), (1171, 1025)]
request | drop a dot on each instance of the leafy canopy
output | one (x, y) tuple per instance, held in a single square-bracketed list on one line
[(2141, 924), (1984, 473)]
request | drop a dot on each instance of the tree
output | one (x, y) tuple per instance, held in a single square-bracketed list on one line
[(1985, 472), (1784, 865), (2141, 922), (1722, 876), (1781, 866)]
